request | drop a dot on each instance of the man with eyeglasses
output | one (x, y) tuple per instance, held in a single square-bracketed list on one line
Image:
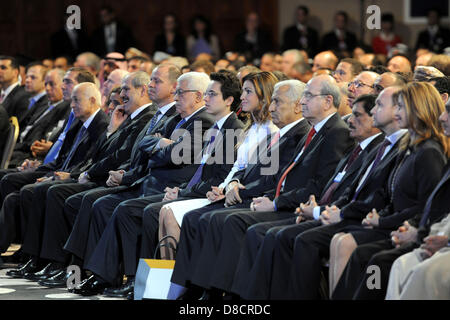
[(363, 84)]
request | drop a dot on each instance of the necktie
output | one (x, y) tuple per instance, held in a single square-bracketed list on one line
[(374, 165), (153, 122), (326, 198), (2, 96), (54, 150), (311, 134), (32, 102), (180, 123), (427, 208), (198, 173), (274, 140), (74, 148)]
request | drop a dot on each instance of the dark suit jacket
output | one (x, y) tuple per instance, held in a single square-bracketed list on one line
[(331, 42), (61, 45), (16, 103), (440, 41), (214, 173), (352, 172), (250, 50), (137, 164), (291, 40), (40, 129), (411, 182), (313, 169), (179, 45), (124, 40), (373, 191), (116, 149), (284, 147), (163, 169), (439, 206), (31, 115), (85, 149), (4, 128)]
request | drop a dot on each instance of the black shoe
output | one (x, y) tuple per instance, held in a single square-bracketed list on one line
[(58, 280), (91, 287), (30, 266), (49, 271), (192, 293), (121, 292), (130, 296)]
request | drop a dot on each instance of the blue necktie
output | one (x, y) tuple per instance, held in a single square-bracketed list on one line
[(32, 102), (153, 122), (74, 148), (198, 174), (180, 124), (54, 150)]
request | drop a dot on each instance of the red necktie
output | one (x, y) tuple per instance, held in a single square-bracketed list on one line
[(274, 140), (311, 134)]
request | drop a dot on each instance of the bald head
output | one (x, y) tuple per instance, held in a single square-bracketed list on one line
[(399, 64), (325, 60), (113, 81), (387, 79), (362, 84), (86, 100)]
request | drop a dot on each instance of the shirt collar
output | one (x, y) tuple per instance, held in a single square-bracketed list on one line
[(319, 126), (139, 110), (89, 120), (393, 138), (367, 141), (222, 120), (38, 96), (166, 107), (288, 127), (189, 116), (9, 89)]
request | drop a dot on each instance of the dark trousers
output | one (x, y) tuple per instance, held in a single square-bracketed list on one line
[(223, 243), (311, 249), (119, 243), (13, 221), (79, 206), (353, 282), (189, 245), (57, 225)]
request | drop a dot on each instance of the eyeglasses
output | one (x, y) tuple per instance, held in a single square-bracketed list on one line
[(339, 72), (180, 92), (210, 94), (309, 95), (378, 87), (358, 84)]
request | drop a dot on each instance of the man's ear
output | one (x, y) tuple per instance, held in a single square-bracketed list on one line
[(444, 97), (229, 101)]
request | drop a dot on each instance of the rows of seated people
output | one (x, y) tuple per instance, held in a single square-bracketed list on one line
[(281, 184)]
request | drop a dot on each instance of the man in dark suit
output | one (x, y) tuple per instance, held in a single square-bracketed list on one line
[(221, 99), (112, 149), (4, 128), (42, 121), (435, 38), (254, 41), (340, 40), (407, 238), (112, 36), (73, 213), (164, 168), (276, 197), (300, 36), (311, 244), (86, 100), (257, 269), (13, 96)]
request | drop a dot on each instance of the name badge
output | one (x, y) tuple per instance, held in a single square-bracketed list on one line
[(339, 177)]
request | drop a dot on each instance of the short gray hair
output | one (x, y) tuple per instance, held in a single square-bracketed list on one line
[(90, 90), (295, 91), (330, 87), (195, 80), (298, 55), (138, 78), (92, 60)]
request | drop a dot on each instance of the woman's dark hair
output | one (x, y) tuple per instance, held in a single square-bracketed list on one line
[(206, 22)]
